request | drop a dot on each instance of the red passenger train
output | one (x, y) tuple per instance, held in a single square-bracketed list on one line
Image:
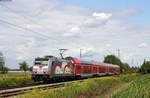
[(49, 68)]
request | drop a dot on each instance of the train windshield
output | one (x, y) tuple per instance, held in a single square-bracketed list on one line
[(41, 62)]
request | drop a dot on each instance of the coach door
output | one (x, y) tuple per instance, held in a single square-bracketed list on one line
[(95, 69)]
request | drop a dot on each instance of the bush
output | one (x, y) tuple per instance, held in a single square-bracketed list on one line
[(137, 89), (4, 70), (112, 59), (145, 68), (7, 81), (91, 87)]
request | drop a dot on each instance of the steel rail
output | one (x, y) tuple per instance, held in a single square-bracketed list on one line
[(18, 91)]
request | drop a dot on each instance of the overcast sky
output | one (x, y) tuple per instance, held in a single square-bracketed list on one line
[(31, 28)]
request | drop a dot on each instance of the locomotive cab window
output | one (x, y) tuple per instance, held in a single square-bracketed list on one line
[(41, 63)]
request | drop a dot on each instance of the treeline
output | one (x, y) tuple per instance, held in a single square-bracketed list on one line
[(112, 59), (145, 68), (125, 68)]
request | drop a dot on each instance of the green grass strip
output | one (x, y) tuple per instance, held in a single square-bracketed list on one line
[(96, 87), (140, 88)]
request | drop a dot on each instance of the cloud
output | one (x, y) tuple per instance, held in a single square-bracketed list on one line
[(108, 45), (103, 16), (59, 25), (96, 20), (142, 45), (73, 32)]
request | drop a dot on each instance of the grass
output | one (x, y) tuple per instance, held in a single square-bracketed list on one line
[(95, 88), (140, 88), (15, 73), (15, 79)]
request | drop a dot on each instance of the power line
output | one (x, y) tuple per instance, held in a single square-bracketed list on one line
[(26, 29), (26, 19)]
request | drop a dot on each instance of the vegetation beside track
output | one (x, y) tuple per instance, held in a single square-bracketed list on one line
[(16, 73), (95, 87), (16, 78), (140, 88)]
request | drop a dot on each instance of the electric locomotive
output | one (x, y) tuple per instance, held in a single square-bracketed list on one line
[(50, 68)]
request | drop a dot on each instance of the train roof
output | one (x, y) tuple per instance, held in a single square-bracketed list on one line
[(45, 58), (81, 61), (89, 62), (106, 64), (41, 59), (76, 61)]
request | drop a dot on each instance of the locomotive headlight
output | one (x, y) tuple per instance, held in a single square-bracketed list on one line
[(45, 69), (35, 69)]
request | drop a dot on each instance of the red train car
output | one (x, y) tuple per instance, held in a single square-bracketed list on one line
[(50, 67), (89, 68)]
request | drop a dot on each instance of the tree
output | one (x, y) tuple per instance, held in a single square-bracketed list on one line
[(126, 67), (1, 66), (145, 68), (30, 68), (24, 66), (134, 69), (4, 70), (112, 59)]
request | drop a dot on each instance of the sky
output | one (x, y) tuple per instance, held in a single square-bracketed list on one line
[(32, 28)]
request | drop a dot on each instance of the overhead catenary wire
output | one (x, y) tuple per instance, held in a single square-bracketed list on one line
[(25, 17), (26, 29)]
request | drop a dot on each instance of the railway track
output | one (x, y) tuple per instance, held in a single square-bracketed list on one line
[(17, 91)]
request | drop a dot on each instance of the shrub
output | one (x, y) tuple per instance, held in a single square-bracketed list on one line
[(4, 70), (145, 68), (7, 81), (88, 88), (137, 89)]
